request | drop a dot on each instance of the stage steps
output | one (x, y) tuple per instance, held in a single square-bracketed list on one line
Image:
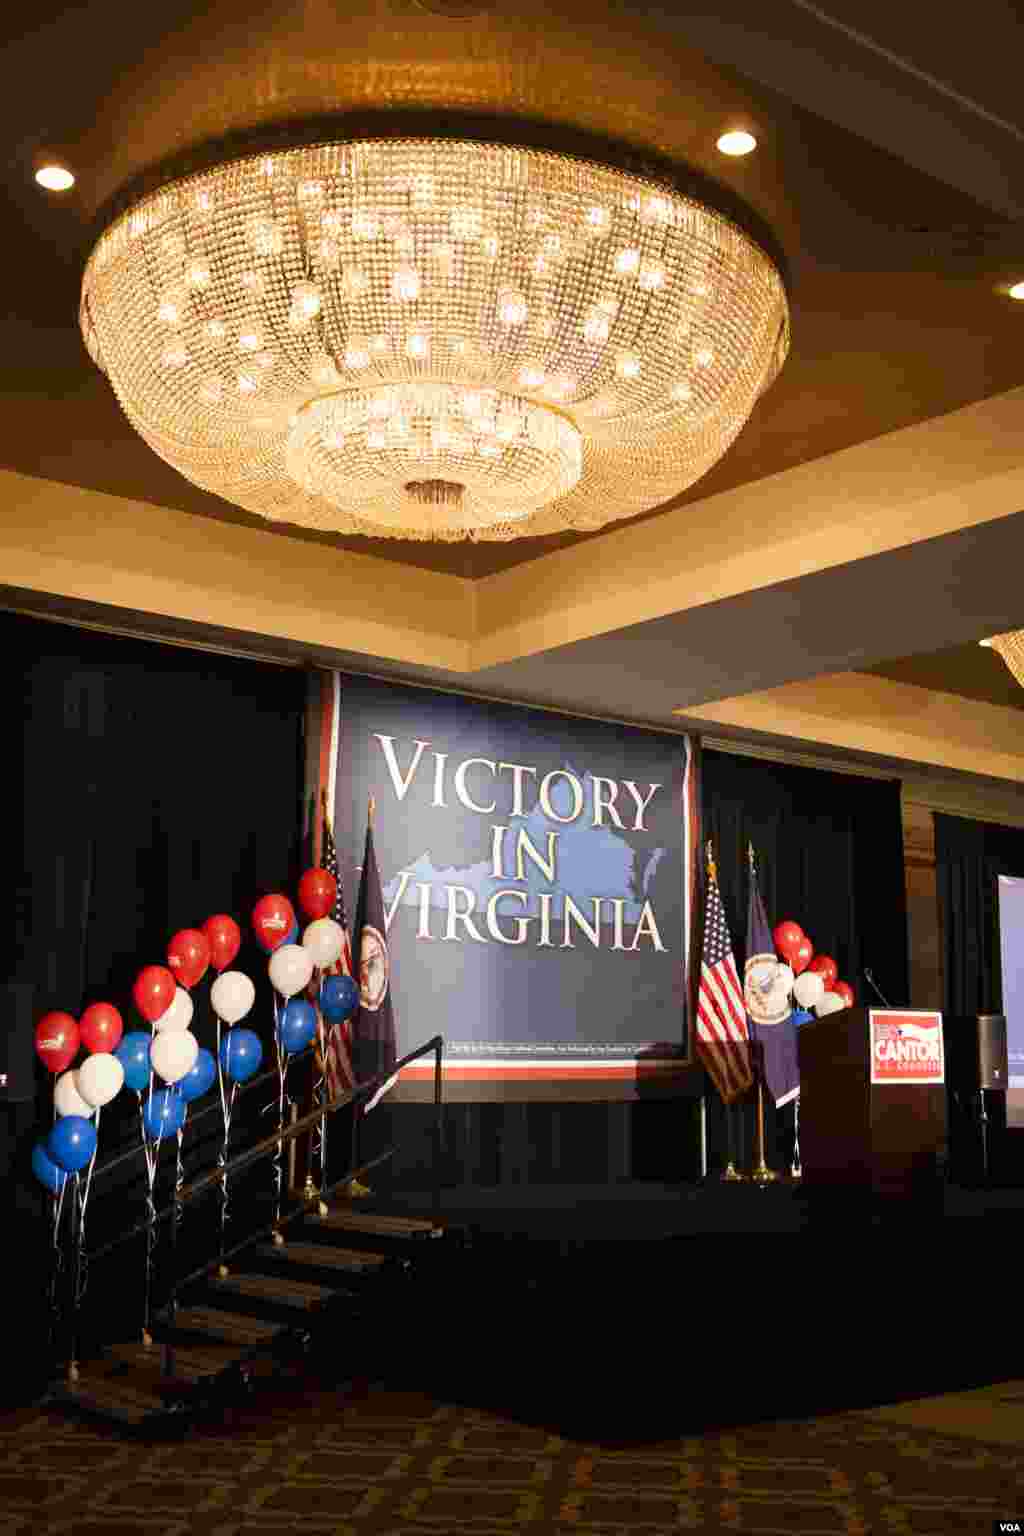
[(270, 1302)]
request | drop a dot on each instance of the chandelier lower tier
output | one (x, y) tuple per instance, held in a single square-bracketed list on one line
[(433, 339)]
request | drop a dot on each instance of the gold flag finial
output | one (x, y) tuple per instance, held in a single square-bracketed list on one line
[(751, 856), (372, 807), (712, 867)]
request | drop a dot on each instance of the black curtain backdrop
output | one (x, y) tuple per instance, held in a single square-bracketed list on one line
[(969, 856), (830, 856), (152, 787)]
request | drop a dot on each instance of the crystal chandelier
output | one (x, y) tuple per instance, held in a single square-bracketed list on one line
[(433, 339), (1011, 649)]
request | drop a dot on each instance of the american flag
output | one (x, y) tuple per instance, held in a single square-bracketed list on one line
[(338, 1057), (722, 1039)]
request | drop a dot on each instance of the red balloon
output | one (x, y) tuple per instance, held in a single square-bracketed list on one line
[(154, 991), (845, 991), (101, 1027), (57, 1041), (826, 969), (317, 890), (802, 956), (224, 938), (786, 937), (188, 955), (273, 918)]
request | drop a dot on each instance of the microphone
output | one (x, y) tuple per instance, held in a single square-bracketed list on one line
[(873, 984)]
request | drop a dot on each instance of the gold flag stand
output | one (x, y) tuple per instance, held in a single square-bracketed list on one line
[(761, 1173)]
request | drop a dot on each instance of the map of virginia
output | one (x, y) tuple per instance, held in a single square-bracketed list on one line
[(589, 861)]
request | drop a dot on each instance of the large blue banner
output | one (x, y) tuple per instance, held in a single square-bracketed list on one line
[(536, 872)]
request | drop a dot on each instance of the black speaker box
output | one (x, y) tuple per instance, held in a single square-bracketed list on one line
[(976, 1055), (17, 1034)]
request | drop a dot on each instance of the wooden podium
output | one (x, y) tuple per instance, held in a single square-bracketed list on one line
[(860, 1136)]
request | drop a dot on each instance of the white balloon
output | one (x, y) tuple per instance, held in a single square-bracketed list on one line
[(100, 1078), (174, 1054), (830, 1003), (323, 939), (232, 995), (179, 1014), (808, 989), (290, 968), (66, 1098), (784, 980)]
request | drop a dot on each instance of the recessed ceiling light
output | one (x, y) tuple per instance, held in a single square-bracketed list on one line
[(737, 142), (985, 642), (55, 178), (1017, 291)]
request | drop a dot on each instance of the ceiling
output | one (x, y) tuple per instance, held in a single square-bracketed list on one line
[(969, 671), (889, 169)]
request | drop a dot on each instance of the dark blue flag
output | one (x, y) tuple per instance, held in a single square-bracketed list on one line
[(374, 1049), (769, 1011)]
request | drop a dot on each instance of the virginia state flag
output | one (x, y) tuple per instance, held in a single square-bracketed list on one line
[(374, 1049), (770, 1015)]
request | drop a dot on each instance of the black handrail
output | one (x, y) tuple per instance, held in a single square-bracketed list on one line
[(270, 1144), (254, 1082), (269, 1228), (200, 1114)]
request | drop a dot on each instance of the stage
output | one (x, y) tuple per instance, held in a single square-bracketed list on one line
[(647, 1310), (647, 1211)]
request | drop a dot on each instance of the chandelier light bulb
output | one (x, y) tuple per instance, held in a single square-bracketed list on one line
[(512, 307), (405, 284), (306, 299), (434, 339), (55, 178), (197, 274), (736, 143)]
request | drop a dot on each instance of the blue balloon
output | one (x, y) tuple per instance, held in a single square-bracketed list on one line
[(240, 1054), (163, 1113), (339, 998), (296, 1024), (133, 1054), (71, 1143), (201, 1078), (45, 1169), (801, 1016)]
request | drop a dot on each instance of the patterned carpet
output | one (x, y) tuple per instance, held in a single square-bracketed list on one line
[(389, 1463)]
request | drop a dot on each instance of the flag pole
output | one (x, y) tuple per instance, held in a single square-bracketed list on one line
[(310, 1193), (760, 1173), (355, 1189), (731, 1174)]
